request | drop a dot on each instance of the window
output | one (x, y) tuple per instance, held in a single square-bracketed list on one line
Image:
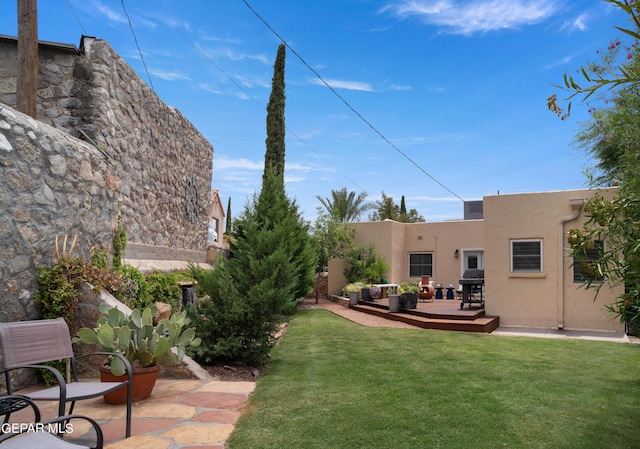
[(526, 255), (420, 263), (213, 231), (583, 269)]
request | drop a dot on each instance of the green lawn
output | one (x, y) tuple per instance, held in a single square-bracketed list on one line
[(334, 384)]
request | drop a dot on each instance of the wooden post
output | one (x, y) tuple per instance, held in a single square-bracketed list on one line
[(27, 85)]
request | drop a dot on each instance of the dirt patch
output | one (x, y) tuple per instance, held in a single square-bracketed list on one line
[(230, 373)]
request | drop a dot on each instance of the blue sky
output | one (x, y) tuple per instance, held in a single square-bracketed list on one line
[(448, 90)]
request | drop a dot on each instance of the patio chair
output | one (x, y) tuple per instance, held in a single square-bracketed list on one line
[(40, 435), (472, 291), (28, 344)]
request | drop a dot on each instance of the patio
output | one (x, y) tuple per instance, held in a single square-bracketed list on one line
[(180, 413), (442, 314)]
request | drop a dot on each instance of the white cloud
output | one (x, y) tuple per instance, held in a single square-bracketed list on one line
[(409, 141), (222, 163), (110, 13), (118, 17), (399, 87), (169, 76), (579, 23), (289, 179), (562, 62), (474, 17), (341, 84)]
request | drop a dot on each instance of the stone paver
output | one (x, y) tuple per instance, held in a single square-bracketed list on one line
[(200, 434)]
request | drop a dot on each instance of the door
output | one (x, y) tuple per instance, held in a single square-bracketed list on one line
[(473, 260)]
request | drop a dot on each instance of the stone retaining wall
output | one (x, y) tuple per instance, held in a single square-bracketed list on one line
[(51, 184), (141, 160)]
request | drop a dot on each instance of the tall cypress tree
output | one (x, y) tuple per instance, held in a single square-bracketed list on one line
[(274, 157), (272, 260), (227, 230)]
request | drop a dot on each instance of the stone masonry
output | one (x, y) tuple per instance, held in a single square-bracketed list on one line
[(51, 184), (113, 150)]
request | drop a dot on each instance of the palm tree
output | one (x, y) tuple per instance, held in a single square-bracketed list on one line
[(345, 206)]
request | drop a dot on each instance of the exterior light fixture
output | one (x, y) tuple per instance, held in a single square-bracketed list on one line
[(456, 253)]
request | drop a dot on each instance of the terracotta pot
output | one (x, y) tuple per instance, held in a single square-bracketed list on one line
[(143, 381)]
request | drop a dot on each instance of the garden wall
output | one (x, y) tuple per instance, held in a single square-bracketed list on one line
[(141, 160), (51, 184)]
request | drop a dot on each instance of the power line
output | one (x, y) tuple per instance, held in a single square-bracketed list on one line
[(349, 105), (77, 18), (137, 46)]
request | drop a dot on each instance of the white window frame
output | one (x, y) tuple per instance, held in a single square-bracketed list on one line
[(511, 255)]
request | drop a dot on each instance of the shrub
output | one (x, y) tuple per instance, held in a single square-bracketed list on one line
[(163, 287), (134, 289), (362, 263), (57, 286), (234, 328)]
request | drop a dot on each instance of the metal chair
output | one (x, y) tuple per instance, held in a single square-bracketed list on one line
[(28, 344), (39, 435)]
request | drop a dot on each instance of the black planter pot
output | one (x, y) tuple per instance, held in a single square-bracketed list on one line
[(409, 300), (365, 294)]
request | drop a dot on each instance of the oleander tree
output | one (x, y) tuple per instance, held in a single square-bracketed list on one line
[(615, 68), (612, 139), (331, 238)]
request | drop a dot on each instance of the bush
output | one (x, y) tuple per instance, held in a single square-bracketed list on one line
[(57, 286), (57, 294), (233, 327), (362, 263), (134, 290), (165, 287)]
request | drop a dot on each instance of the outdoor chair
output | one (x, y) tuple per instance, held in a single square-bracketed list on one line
[(28, 344), (472, 291), (40, 435)]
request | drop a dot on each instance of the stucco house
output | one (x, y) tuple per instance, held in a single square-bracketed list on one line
[(520, 242)]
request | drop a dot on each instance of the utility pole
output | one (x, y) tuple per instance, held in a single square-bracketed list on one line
[(27, 85)]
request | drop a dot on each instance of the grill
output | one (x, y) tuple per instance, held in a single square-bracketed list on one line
[(472, 282)]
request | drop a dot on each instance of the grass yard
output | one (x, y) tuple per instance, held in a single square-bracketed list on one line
[(334, 384)]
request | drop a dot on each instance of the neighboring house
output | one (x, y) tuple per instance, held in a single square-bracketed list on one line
[(520, 243), (216, 241), (216, 219)]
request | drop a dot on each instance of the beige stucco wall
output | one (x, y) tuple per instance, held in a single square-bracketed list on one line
[(548, 299), (336, 280), (395, 241)]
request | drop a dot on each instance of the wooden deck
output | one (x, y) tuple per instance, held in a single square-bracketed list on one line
[(442, 314)]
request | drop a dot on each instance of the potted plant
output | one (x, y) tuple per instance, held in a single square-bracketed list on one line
[(409, 294), (353, 292), (375, 292), (365, 292), (146, 345)]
